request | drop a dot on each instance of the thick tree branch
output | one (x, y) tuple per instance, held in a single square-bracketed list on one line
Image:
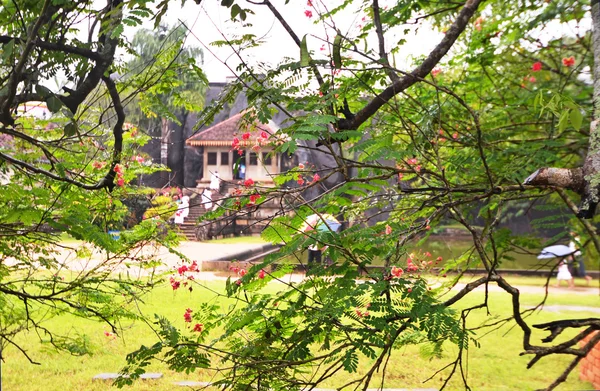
[(383, 57), (566, 178), (15, 76), (591, 166), (57, 47), (107, 54), (420, 71)]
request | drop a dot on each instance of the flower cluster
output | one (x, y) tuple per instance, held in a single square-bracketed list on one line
[(568, 61), (261, 139), (187, 317), (183, 277), (137, 158), (98, 165), (416, 263), (119, 171)]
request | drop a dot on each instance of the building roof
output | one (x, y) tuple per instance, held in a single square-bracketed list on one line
[(222, 134)]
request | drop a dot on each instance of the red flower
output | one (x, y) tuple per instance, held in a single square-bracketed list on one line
[(194, 267), (316, 178), (198, 327), (121, 182), (427, 254), (455, 135), (240, 152), (246, 136), (436, 71), (264, 134), (119, 169), (254, 197), (248, 182), (174, 283), (412, 161), (388, 229), (261, 274), (308, 13), (242, 272), (537, 66), (235, 142), (300, 181), (188, 315), (182, 270), (568, 61), (309, 3), (301, 166), (439, 259), (397, 272), (97, 165)]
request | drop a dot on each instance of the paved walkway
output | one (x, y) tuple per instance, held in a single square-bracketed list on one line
[(207, 251)]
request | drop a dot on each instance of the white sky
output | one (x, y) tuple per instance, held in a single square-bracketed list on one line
[(206, 20)]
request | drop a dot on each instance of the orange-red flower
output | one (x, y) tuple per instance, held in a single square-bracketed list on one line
[(568, 61)]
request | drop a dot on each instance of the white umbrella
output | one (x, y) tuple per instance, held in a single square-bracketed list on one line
[(322, 223), (558, 250)]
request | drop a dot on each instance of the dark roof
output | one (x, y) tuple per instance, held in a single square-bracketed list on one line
[(224, 132)]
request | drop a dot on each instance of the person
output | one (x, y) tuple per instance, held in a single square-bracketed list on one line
[(314, 253), (242, 170), (575, 246), (564, 274), (215, 182), (207, 199), (184, 206)]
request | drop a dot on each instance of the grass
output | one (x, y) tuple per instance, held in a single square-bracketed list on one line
[(495, 366)]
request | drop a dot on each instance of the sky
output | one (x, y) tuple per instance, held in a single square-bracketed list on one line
[(210, 20)]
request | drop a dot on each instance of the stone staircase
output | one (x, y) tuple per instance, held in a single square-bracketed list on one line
[(188, 228)]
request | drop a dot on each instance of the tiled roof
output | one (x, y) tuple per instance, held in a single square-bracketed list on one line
[(224, 132)]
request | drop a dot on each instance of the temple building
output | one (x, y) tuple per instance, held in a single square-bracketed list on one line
[(238, 149)]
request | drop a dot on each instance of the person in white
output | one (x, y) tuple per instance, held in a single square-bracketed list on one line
[(564, 274), (207, 199), (183, 210), (575, 245), (215, 181)]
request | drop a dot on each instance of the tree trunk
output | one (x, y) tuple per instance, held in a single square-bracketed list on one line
[(583, 180), (176, 151)]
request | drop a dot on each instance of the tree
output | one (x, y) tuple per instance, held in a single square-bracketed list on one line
[(179, 88), (451, 137), (69, 173)]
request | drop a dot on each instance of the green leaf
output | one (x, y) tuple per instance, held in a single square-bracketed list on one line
[(304, 55), (576, 118), (337, 49), (563, 121), (54, 104), (235, 10), (7, 49), (227, 3), (44, 92), (70, 129)]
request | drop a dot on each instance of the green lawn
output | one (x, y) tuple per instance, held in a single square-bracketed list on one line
[(495, 366)]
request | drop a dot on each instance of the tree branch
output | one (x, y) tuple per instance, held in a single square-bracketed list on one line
[(420, 71)]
